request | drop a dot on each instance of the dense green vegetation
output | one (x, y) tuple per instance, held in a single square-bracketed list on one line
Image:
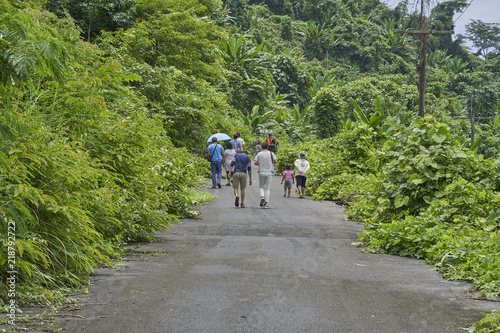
[(106, 107)]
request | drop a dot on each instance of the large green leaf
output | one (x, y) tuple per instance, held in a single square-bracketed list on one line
[(359, 114), (441, 134)]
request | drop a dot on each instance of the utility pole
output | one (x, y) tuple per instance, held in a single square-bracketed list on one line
[(423, 33), (472, 121)]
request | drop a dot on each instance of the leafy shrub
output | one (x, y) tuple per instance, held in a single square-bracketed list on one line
[(334, 188), (393, 90), (85, 168), (489, 324), (47, 190), (343, 158), (459, 234), (327, 106), (437, 202), (338, 163), (421, 161)]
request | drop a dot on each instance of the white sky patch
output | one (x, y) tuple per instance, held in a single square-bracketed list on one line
[(487, 11)]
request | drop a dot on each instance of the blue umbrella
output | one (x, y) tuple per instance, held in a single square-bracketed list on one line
[(220, 137)]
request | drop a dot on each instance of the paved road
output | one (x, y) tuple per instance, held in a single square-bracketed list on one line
[(289, 268)]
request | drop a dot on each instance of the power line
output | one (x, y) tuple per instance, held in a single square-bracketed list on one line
[(464, 11)]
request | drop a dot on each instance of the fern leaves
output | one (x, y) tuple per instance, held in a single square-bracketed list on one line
[(24, 53)]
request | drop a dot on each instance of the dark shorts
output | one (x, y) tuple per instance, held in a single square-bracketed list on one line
[(301, 181)]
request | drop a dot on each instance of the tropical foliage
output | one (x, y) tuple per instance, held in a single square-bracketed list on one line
[(420, 192), (86, 166), (106, 107)]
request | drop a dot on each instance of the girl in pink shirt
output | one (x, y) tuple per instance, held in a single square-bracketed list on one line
[(288, 178)]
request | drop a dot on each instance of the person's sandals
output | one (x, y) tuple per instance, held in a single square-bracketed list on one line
[(237, 201), (262, 201)]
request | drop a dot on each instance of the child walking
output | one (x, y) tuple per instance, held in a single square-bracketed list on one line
[(288, 178)]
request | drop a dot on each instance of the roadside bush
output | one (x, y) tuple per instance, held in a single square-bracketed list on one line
[(328, 107), (436, 201), (489, 324), (85, 168), (338, 164), (341, 160), (421, 161), (458, 233)]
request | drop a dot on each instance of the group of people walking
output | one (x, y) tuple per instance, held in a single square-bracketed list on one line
[(238, 167)]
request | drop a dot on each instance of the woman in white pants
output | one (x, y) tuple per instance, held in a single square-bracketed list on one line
[(265, 160)]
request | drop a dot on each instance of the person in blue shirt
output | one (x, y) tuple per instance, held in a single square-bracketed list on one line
[(241, 165), (216, 151)]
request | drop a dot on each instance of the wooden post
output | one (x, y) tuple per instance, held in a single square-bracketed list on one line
[(421, 67), (421, 75), (472, 122), (423, 63), (472, 119)]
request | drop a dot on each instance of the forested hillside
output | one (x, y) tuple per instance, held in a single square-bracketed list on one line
[(107, 107)]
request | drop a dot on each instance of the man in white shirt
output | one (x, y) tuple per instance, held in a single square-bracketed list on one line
[(265, 160)]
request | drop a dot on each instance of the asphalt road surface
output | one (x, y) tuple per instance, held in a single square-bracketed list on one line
[(290, 268)]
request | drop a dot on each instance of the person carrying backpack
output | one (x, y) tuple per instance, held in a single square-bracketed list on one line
[(236, 144), (272, 143), (256, 146), (241, 141)]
